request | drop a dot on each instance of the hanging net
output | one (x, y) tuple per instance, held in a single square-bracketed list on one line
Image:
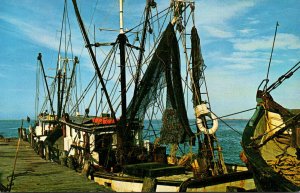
[(164, 71), (197, 66)]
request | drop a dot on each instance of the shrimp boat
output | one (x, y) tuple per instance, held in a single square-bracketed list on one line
[(271, 140), (124, 147), (46, 129), (59, 86), (165, 138)]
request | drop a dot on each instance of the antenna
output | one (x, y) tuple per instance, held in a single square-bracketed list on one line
[(267, 79)]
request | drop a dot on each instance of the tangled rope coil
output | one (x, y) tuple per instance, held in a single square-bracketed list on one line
[(288, 166)]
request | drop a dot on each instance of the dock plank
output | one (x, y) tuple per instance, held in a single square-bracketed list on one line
[(34, 174)]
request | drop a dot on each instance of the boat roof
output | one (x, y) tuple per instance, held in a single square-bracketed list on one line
[(86, 124)]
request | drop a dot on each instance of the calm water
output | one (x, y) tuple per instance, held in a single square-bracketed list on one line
[(228, 139), (9, 128)]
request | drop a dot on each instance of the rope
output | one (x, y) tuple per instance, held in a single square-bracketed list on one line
[(231, 115), (14, 168), (288, 166), (229, 126), (237, 113), (83, 94)]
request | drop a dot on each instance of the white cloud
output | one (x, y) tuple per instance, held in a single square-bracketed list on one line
[(239, 61), (214, 16), (283, 41), (33, 33), (239, 67), (219, 12), (288, 41), (219, 33), (47, 35), (253, 21), (246, 31)]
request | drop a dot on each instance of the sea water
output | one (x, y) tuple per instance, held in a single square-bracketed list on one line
[(9, 128), (228, 138)]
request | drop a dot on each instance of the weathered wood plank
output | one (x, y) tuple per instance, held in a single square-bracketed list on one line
[(153, 169), (34, 174)]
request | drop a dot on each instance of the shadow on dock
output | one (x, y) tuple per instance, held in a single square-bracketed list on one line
[(34, 174)]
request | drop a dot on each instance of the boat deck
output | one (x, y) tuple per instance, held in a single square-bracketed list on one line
[(34, 174)]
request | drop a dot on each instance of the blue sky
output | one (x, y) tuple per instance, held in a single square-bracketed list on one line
[(236, 39)]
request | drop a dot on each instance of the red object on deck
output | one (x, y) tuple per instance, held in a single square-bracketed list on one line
[(103, 120)]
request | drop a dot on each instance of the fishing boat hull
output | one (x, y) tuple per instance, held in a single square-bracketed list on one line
[(258, 159), (168, 177), (240, 181)]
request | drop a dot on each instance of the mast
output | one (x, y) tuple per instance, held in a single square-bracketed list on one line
[(92, 55), (122, 130), (62, 90), (122, 43), (58, 91), (267, 79), (76, 61), (44, 75)]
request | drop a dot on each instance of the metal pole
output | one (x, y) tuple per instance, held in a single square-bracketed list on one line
[(76, 61), (122, 44), (277, 24), (58, 91), (121, 17), (121, 138), (41, 63), (92, 55)]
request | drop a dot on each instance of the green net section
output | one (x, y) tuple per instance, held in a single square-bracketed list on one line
[(172, 131), (163, 71), (197, 66)]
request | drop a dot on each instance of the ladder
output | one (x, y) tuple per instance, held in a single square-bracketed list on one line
[(203, 98)]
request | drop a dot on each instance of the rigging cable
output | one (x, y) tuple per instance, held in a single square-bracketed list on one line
[(237, 113), (228, 125), (83, 94), (267, 79), (282, 78), (88, 30), (149, 19)]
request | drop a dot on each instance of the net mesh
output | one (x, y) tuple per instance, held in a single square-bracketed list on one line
[(197, 66), (164, 71)]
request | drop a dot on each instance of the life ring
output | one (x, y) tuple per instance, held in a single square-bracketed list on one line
[(200, 111)]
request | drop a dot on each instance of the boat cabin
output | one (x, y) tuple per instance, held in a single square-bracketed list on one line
[(94, 138), (45, 125)]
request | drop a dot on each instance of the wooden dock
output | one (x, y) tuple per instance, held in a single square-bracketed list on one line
[(34, 174)]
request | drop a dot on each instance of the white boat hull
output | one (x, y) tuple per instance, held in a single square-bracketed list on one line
[(137, 185)]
